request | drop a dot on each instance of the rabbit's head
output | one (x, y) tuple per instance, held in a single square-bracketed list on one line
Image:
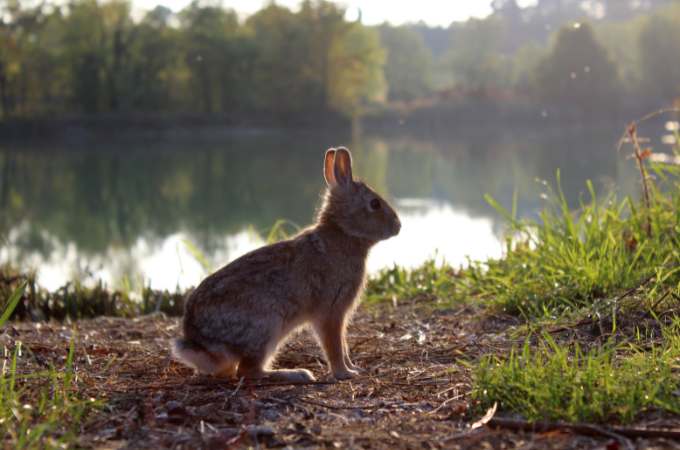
[(353, 206)]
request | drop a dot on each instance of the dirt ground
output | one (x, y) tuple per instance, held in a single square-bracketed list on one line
[(415, 392)]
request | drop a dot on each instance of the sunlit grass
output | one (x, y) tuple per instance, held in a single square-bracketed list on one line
[(564, 261), (567, 260), (76, 301), (566, 382), (38, 410), (430, 281)]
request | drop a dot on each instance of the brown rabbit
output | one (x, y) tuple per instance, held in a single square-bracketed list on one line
[(238, 317)]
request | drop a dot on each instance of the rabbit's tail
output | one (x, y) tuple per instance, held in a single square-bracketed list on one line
[(195, 355)]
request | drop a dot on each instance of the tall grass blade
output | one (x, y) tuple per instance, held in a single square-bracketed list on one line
[(12, 304)]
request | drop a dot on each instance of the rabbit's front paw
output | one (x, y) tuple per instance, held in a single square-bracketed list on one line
[(301, 376), (345, 374)]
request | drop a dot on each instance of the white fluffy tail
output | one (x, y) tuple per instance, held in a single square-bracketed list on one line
[(195, 356)]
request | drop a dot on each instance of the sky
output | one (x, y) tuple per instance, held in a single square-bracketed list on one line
[(432, 12)]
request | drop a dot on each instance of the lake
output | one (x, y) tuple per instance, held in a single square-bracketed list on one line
[(163, 209)]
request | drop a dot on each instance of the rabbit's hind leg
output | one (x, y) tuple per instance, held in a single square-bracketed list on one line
[(253, 368)]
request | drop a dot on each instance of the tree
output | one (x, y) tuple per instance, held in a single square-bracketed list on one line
[(409, 63), (85, 44), (212, 45), (476, 58), (285, 80), (29, 74), (315, 60), (156, 63), (578, 72), (660, 56), (355, 70)]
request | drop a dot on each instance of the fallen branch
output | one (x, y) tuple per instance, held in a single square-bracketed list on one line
[(583, 428)]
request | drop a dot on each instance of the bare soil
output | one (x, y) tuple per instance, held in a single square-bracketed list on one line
[(414, 393)]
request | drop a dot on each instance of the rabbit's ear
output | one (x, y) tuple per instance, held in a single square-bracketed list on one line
[(343, 167), (329, 167)]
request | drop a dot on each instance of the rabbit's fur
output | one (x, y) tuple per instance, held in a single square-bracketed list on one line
[(236, 318)]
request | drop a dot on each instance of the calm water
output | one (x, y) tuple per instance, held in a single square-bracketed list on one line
[(130, 212)]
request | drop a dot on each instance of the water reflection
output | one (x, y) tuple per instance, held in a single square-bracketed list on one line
[(121, 212), (170, 264), (436, 229)]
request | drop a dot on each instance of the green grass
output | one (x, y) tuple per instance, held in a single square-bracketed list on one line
[(430, 281), (610, 261), (76, 301), (565, 262), (601, 261), (567, 259), (38, 410), (606, 383)]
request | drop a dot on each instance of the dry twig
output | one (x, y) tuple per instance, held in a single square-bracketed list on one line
[(622, 434)]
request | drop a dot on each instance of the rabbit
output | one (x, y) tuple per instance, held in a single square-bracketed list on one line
[(238, 317)]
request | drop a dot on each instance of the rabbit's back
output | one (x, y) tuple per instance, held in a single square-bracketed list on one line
[(267, 268), (247, 302)]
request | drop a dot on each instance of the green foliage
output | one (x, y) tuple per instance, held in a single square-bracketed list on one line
[(282, 229), (567, 260), (355, 70), (475, 57), (578, 72), (23, 299), (12, 303), (89, 56), (218, 57), (92, 57), (550, 381), (430, 281), (659, 43), (39, 410), (198, 255), (621, 39), (408, 69)]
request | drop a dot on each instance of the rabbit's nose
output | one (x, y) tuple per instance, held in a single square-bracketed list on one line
[(397, 226)]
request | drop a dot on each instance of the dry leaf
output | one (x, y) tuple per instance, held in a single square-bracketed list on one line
[(646, 153)]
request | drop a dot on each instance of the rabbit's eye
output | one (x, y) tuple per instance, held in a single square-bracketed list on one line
[(375, 204)]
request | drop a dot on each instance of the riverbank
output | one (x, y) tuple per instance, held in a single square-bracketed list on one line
[(576, 324), (417, 118)]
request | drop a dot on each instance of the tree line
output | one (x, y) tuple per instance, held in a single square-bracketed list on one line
[(91, 57), (590, 56), (96, 57)]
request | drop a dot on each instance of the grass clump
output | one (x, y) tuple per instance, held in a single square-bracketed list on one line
[(75, 300), (567, 260), (430, 281), (43, 414), (605, 383), (38, 410)]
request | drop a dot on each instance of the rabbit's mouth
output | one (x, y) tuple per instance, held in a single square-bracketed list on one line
[(396, 227)]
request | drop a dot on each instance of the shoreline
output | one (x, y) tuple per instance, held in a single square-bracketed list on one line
[(377, 123)]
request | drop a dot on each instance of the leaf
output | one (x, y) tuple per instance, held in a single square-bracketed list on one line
[(646, 153), (198, 255), (12, 304), (487, 417)]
